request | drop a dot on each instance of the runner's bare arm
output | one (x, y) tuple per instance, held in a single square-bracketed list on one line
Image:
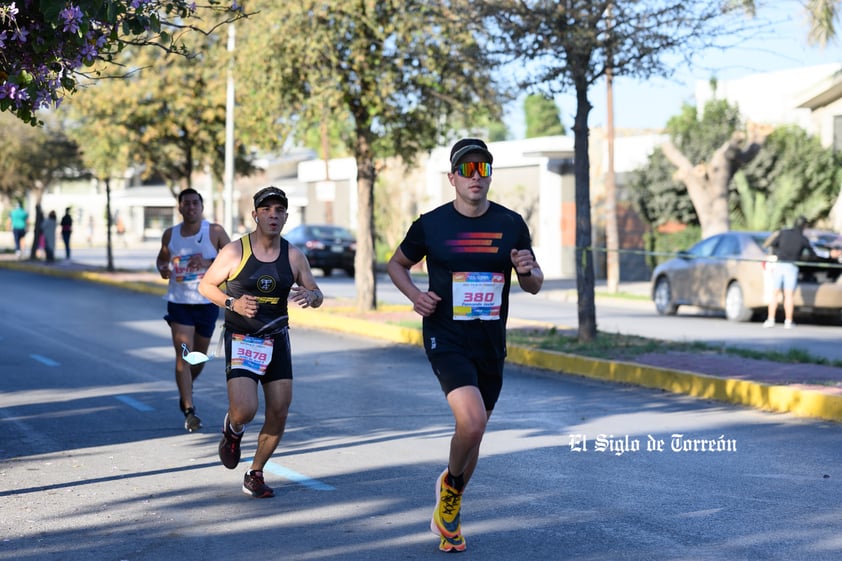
[(307, 294), (162, 263), (424, 303), (530, 277), (218, 273), (219, 237)]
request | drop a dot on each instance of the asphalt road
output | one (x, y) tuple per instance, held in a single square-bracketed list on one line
[(95, 464)]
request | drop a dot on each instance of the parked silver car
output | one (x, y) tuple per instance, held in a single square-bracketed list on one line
[(729, 272)]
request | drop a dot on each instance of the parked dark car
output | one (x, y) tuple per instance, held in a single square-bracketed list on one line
[(729, 273), (326, 246)]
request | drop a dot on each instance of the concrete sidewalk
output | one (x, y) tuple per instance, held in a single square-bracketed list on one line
[(807, 390)]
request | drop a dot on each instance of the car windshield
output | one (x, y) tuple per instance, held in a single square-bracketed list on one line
[(760, 237), (729, 246), (705, 247)]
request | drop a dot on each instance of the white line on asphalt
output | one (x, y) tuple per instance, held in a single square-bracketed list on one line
[(294, 476), (45, 360), (132, 402)]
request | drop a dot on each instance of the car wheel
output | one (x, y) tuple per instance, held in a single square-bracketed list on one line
[(662, 295), (735, 308), (349, 271), (326, 271)]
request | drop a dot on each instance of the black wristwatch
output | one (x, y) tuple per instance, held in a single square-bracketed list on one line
[(229, 303)]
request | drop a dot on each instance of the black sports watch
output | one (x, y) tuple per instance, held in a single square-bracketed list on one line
[(229, 303)]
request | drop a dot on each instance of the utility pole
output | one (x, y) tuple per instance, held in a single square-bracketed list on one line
[(612, 235), (228, 186)]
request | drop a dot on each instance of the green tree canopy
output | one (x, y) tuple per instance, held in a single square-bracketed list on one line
[(794, 175), (395, 76), (656, 193), (33, 158), (542, 116), (697, 135), (570, 45), (657, 196), (167, 113), (791, 175)]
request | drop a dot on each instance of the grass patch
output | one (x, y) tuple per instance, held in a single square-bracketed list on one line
[(605, 346)]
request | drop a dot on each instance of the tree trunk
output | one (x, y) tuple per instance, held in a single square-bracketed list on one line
[(108, 245), (707, 183), (364, 262), (584, 251)]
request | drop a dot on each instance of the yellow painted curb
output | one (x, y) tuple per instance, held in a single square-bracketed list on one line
[(322, 319), (781, 399), (102, 278)]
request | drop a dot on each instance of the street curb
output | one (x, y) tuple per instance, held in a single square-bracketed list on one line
[(780, 399)]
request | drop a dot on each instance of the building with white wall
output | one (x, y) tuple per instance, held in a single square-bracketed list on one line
[(773, 98)]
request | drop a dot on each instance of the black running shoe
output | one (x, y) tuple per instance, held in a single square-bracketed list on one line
[(229, 446), (254, 485), (191, 421)]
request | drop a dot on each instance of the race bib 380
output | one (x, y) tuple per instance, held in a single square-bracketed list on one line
[(477, 295)]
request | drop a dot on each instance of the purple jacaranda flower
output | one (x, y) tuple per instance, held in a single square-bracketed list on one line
[(88, 52), (8, 12), (7, 90), (72, 17), (20, 35)]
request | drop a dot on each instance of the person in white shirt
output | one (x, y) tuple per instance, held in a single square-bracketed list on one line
[(187, 250)]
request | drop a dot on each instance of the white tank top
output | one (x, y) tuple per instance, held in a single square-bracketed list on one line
[(184, 283)]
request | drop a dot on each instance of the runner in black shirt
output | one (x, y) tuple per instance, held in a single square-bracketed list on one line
[(471, 245)]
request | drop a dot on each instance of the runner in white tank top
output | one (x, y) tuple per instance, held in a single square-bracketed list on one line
[(187, 250), (188, 256)]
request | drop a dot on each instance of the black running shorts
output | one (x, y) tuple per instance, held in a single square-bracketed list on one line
[(455, 370)]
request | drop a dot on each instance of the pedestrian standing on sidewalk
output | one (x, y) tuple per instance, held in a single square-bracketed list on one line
[(187, 250), (66, 231), (18, 218), (261, 272), (788, 245), (471, 245)]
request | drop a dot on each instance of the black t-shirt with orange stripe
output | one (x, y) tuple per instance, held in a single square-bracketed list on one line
[(454, 243)]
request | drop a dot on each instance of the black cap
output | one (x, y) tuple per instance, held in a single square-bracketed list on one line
[(270, 192), (466, 146)]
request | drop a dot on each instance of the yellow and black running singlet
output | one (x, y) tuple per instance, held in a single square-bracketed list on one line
[(269, 282)]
